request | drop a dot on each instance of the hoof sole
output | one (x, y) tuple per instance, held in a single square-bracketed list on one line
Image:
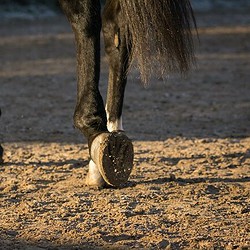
[(115, 158)]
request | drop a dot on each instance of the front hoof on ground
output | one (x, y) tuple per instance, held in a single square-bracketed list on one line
[(113, 154)]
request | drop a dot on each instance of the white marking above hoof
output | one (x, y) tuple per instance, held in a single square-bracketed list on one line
[(94, 177), (114, 125)]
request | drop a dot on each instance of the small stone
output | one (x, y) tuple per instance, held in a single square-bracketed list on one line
[(164, 244), (172, 177)]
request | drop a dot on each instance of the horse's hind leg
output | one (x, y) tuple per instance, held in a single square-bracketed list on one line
[(89, 117), (115, 161), (120, 146), (117, 51), (85, 19)]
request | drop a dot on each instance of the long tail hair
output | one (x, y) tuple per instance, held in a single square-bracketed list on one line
[(160, 35)]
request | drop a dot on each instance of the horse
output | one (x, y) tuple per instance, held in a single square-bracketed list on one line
[(154, 34)]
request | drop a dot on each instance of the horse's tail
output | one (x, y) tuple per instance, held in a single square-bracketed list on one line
[(160, 35)]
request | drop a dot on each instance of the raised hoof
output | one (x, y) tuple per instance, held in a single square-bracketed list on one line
[(113, 154)]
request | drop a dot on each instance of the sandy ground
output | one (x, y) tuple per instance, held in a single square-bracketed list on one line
[(190, 187)]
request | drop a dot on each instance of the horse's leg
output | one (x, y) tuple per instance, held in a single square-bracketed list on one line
[(106, 149), (85, 19), (117, 51)]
